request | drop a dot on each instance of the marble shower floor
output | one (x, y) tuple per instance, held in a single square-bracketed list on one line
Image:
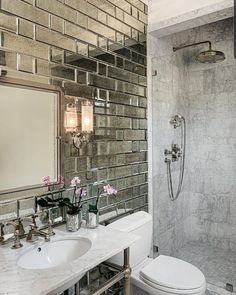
[(218, 266)]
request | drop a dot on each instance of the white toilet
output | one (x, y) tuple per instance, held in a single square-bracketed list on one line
[(164, 275)]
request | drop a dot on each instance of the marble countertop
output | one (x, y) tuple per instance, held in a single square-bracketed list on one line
[(18, 281)]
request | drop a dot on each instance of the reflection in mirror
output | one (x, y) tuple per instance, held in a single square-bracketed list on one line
[(29, 125)]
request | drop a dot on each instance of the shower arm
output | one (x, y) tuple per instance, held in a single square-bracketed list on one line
[(193, 44)]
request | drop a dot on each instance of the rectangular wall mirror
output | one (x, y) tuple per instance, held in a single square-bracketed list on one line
[(29, 134)]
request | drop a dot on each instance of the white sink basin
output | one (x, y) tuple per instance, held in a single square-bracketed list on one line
[(51, 254)]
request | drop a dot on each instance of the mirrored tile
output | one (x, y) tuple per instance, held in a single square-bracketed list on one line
[(27, 207), (102, 43), (120, 26), (56, 55), (60, 71), (54, 38), (25, 28), (119, 62), (8, 211), (83, 6), (104, 5), (102, 16), (8, 59), (102, 82), (123, 4), (133, 22), (22, 45), (7, 22), (26, 11), (82, 48), (58, 9), (80, 33), (82, 20), (57, 23), (122, 75), (102, 69), (101, 55), (80, 61), (101, 29), (77, 90), (25, 63), (119, 49), (135, 68), (138, 4)]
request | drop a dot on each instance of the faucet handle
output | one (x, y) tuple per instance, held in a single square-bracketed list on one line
[(31, 236), (21, 228), (17, 244), (50, 228), (34, 216)]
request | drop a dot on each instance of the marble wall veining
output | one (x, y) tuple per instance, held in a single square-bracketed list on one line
[(205, 95), (212, 139), (95, 50)]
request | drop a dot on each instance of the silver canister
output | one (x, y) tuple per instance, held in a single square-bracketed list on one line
[(73, 221), (92, 219)]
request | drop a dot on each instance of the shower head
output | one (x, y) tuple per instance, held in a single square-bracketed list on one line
[(208, 56)]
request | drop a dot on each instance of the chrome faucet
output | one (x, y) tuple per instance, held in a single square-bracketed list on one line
[(17, 244), (34, 233)]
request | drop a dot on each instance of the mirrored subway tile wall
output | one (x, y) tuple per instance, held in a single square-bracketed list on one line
[(96, 50)]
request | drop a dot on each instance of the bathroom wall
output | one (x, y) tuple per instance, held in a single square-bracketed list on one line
[(94, 49), (205, 95), (212, 138)]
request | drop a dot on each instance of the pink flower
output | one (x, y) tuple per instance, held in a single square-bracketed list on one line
[(75, 181), (81, 192), (61, 179), (47, 180), (110, 190)]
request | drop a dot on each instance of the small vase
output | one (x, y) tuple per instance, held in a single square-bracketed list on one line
[(92, 217), (73, 221)]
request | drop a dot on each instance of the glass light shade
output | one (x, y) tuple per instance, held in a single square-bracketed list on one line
[(87, 116), (71, 118)]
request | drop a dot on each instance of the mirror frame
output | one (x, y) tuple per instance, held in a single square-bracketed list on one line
[(30, 190)]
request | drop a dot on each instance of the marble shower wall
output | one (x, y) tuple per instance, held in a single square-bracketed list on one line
[(169, 98), (205, 94), (212, 138)]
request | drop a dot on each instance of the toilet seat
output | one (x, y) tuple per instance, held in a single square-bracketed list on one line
[(173, 276)]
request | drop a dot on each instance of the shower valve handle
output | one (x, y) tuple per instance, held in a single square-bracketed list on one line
[(175, 152), (167, 152)]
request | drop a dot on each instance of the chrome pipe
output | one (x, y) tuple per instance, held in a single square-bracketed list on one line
[(192, 44), (176, 121), (127, 272), (104, 287), (123, 274)]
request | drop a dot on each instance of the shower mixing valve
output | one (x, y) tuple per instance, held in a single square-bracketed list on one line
[(175, 152)]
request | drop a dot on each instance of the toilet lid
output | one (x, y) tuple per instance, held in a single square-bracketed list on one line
[(173, 273)]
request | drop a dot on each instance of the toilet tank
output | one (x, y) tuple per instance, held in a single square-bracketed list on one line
[(139, 224)]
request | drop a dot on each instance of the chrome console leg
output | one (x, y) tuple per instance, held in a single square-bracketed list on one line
[(127, 272)]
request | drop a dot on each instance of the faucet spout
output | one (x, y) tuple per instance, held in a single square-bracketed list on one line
[(34, 233), (43, 234)]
